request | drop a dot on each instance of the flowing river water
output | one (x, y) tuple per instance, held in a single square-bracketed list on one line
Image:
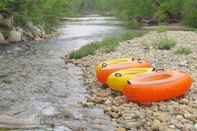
[(36, 85)]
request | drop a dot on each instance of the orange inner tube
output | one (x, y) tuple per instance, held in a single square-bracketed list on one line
[(158, 86), (103, 74)]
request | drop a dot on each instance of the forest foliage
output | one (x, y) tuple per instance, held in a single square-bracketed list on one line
[(42, 12), (169, 11), (46, 11)]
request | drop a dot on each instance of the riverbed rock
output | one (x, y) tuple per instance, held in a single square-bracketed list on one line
[(15, 36)]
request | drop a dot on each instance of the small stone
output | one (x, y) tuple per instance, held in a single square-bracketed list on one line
[(88, 104), (194, 128), (114, 109), (97, 100), (179, 117), (108, 102), (103, 94), (107, 109), (132, 125), (172, 126), (187, 116), (156, 125), (121, 129), (119, 100), (115, 115), (163, 117), (184, 101)]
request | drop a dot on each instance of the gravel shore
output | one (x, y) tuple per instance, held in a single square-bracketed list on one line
[(175, 115)]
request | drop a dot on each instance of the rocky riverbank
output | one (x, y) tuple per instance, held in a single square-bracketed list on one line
[(174, 115), (10, 33)]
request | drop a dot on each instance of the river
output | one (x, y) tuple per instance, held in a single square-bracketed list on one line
[(36, 84)]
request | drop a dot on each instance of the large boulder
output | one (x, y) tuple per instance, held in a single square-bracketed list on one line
[(1, 37), (1, 17), (34, 29), (6, 21), (15, 36)]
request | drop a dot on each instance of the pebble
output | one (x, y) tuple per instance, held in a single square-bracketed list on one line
[(194, 127), (121, 129), (156, 125), (179, 117)]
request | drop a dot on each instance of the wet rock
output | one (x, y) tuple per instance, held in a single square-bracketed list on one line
[(11, 122), (15, 36)]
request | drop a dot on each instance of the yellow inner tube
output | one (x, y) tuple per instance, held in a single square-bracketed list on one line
[(118, 80), (106, 64)]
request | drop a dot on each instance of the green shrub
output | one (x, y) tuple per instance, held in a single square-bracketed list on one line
[(169, 9), (183, 51), (127, 8), (108, 45), (161, 29), (161, 16), (190, 13), (40, 12), (1, 129), (166, 44)]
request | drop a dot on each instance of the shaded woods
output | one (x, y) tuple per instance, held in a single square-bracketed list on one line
[(42, 15), (151, 11), (148, 11), (24, 20), (42, 12)]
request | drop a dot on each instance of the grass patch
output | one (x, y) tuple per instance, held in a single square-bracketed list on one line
[(2, 129), (166, 44), (161, 29), (108, 45), (183, 51), (163, 42)]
